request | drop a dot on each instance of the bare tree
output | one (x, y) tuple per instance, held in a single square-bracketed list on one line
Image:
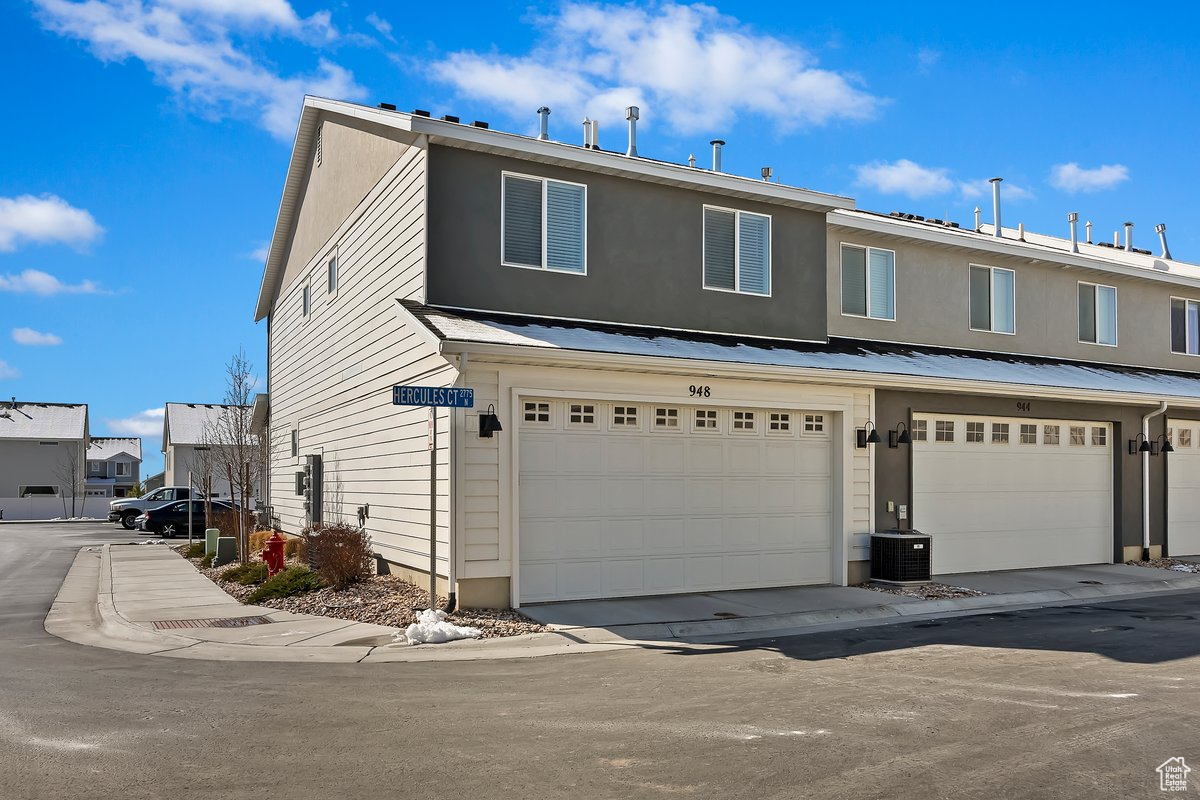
[(204, 469), (69, 473), (239, 456)]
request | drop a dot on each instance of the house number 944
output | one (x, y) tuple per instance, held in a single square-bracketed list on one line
[(699, 391)]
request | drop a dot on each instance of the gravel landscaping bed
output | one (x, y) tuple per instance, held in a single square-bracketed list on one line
[(1173, 564), (928, 591), (382, 600)]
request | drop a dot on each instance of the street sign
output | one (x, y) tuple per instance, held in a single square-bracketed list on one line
[(441, 396)]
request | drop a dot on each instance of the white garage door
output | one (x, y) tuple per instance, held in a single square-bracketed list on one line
[(1183, 488), (1002, 493), (626, 499)]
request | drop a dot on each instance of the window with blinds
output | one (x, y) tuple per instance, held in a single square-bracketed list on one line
[(737, 251), (1097, 314), (993, 299), (868, 282), (544, 225)]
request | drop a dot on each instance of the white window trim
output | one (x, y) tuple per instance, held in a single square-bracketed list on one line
[(1170, 344), (333, 258), (128, 469), (306, 298), (534, 423), (867, 282), (545, 250), (1096, 311), (992, 299), (680, 419), (737, 251), (789, 432), (596, 411), (640, 418), (719, 419)]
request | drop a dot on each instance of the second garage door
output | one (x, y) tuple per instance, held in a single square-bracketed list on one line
[(625, 499), (1183, 488), (1001, 493)]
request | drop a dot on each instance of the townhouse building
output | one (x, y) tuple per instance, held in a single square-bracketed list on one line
[(113, 465), (702, 381), (192, 448), (43, 457)]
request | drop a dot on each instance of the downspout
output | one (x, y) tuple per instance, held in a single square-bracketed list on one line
[(1162, 409), (451, 553)]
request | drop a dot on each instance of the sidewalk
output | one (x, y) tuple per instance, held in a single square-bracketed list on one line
[(151, 601)]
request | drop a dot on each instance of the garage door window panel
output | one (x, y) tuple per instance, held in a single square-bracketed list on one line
[(779, 423), (536, 413), (974, 433), (1028, 434), (666, 419), (920, 430), (706, 420), (1051, 434), (1078, 435), (814, 424), (581, 415), (943, 430), (625, 418), (1099, 437), (744, 422), (999, 433)]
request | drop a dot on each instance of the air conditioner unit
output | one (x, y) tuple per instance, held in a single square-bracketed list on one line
[(902, 557)]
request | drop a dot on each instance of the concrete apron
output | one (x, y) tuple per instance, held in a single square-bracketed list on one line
[(105, 602)]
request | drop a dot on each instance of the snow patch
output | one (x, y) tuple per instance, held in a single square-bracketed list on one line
[(431, 627)]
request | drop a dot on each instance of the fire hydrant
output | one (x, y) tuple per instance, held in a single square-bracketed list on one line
[(272, 554)]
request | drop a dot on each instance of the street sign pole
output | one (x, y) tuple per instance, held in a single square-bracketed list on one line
[(433, 510), (433, 398)]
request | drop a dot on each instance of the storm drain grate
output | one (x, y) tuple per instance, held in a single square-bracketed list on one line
[(214, 622)]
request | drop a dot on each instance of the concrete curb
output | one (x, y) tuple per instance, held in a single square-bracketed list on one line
[(85, 612)]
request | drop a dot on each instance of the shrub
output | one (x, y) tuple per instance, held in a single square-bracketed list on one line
[(258, 540), (226, 523), (246, 574), (207, 560), (296, 547), (195, 550), (343, 555), (292, 580)]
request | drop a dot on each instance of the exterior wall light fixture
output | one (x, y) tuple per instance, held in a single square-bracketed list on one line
[(899, 436), (1163, 444), (866, 435), (1144, 447), (489, 423)]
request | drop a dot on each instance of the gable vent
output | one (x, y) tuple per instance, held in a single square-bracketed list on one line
[(320, 129)]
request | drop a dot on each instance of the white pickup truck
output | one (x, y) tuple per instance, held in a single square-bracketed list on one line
[(126, 509)]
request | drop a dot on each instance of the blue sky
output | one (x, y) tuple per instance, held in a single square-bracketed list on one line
[(146, 141)]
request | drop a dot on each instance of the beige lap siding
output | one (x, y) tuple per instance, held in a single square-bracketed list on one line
[(332, 373)]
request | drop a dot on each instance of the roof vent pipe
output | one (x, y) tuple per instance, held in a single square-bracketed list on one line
[(692, 160), (1161, 230), (767, 172), (1129, 237), (595, 134), (717, 144), (1021, 231), (995, 182), (1073, 219), (1088, 226), (977, 218), (1117, 239), (544, 123), (632, 115), (587, 133)]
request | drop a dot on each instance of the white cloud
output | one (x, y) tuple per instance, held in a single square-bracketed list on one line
[(905, 177), (380, 24), (1074, 178), (28, 336), (44, 220), (927, 59), (33, 281), (7, 371), (690, 66), (982, 187), (143, 423), (188, 45), (260, 253)]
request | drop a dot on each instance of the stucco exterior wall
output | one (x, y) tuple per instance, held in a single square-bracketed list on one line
[(644, 254), (932, 306)]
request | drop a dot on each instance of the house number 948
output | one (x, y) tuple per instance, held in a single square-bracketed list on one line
[(699, 391)]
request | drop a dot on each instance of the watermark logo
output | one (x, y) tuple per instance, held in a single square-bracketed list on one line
[(1172, 775)]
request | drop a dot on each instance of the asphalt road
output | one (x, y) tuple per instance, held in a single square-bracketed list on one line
[(1068, 702)]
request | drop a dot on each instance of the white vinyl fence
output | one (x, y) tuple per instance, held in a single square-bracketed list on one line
[(52, 507)]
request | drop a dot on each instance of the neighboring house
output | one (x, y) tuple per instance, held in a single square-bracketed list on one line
[(691, 369), (155, 481), (43, 460), (113, 465), (185, 445)]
